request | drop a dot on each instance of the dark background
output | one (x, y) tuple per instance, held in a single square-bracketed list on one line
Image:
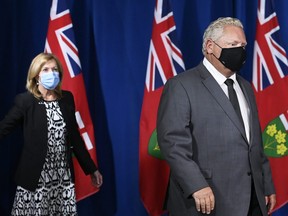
[(113, 39)]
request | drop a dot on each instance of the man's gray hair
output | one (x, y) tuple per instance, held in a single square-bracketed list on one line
[(215, 29)]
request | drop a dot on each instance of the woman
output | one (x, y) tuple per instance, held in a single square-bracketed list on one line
[(44, 176)]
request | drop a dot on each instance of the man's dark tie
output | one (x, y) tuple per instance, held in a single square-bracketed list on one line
[(233, 98)]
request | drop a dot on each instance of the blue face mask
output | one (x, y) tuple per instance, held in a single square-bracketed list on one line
[(49, 80)]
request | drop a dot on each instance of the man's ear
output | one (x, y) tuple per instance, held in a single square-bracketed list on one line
[(209, 46)]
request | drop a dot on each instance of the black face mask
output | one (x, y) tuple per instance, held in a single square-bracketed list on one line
[(232, 58)]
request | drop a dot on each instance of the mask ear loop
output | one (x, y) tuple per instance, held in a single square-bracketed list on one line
[(217, 44), (219, 47)]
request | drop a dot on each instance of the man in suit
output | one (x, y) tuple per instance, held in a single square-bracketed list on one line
[(215, 153)]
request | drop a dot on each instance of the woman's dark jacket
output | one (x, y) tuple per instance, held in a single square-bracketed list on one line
[(29, 112)]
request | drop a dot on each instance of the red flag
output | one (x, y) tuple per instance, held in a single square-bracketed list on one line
[(164, 62), (270, 82), (61, 42)]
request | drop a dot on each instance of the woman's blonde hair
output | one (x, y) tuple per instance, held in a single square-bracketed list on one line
[(33, 74), (215, 30)]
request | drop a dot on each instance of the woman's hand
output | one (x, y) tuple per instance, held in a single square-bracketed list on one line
[(96, 179)]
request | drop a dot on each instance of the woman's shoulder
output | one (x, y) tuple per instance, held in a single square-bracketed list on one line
[(66, 93), (67, 97), (25, 97)]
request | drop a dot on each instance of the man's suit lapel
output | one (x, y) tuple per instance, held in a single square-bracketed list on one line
[(218, 94)]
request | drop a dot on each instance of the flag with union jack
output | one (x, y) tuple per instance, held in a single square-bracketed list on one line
[(270, 82), (61, 42), (164, 61)]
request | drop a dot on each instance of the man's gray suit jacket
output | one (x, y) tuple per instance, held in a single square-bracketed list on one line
[(203, 142)]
